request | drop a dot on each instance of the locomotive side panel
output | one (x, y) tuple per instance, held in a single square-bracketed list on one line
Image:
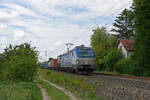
[(74, 57), (66, 60)]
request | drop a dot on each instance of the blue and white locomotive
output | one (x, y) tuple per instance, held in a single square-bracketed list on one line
[(79, 59)]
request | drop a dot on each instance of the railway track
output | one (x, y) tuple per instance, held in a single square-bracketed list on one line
[(113, 75), (123, 76)]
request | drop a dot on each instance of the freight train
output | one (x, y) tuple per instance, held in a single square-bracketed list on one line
[(81, 59)]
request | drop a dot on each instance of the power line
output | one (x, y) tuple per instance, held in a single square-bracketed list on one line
[(117, 11), (116, 4), (104, 19), (105, 12)]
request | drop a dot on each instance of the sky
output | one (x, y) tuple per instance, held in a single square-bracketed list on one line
[(50, 24)]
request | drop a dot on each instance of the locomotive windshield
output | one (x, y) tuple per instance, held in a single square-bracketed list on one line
[(85, 53)]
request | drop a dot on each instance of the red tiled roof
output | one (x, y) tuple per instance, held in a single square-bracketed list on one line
[(127, 43)]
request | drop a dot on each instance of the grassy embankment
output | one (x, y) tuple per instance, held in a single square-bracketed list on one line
[(19, 91), (78, 86)]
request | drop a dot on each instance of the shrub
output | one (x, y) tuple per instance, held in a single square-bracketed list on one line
[(112, 58), (100, 64), (128, 66)]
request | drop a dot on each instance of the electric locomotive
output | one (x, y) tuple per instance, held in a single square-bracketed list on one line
[(79, 59)]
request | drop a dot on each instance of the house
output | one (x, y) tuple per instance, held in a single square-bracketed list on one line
[(126, 46)]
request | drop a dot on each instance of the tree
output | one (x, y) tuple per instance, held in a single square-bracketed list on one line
[(102, 42), (20, 62), (142, 41), (98, 41), (123, 24)]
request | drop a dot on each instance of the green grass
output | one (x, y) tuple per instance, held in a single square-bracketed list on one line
[(20, 91), (53, 92), (63, 80), (77, 86)]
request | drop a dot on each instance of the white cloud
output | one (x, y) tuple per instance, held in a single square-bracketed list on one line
[(3, 39), (6, 15), (3, 43), (20, 9), (58, 43), (2, 27), (18, 34)]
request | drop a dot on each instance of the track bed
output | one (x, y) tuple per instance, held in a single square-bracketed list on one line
[(118, 87)]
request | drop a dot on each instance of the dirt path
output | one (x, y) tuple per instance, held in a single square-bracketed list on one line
[(44, 93), (72, 97)]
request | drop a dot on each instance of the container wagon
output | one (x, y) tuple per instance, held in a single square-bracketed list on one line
[(54, 64)]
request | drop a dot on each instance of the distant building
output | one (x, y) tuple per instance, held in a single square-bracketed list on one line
[(126, 46)]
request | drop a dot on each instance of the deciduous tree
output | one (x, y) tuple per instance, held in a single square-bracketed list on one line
[(20, 62), (102, 42)]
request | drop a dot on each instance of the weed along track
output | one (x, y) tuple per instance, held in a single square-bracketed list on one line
[(69, 94)]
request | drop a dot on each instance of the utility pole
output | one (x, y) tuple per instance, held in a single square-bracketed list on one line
[(69, 45)]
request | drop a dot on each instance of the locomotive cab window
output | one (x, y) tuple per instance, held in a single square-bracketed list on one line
[(85, 53)]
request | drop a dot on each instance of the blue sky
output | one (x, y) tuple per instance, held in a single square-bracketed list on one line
[(49, 24)]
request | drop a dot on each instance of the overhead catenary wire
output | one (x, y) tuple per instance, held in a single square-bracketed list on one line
[(116, 12), (105, 12), (110, 9), (104, 20)]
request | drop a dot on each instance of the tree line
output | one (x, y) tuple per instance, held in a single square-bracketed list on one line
[(133, 23)]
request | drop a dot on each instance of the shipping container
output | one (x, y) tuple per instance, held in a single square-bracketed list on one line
[(54, 63)]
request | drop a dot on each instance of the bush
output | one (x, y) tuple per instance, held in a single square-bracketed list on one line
[(20, 62), (112, 58), (128, 66), (100, 64)]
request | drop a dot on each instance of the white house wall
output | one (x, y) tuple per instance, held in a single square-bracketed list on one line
[(124, 51)]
